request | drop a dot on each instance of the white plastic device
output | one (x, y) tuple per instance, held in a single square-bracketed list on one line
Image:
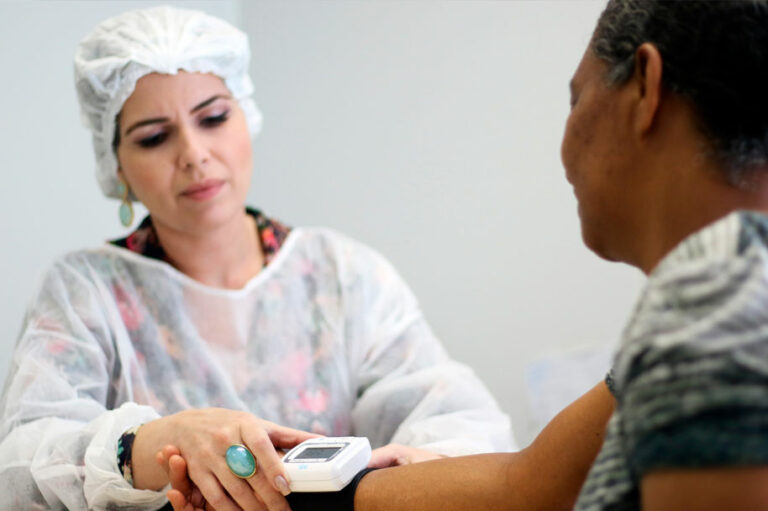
[(327, 463)]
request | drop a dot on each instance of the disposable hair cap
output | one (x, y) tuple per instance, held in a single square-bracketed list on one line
[(120, 50)]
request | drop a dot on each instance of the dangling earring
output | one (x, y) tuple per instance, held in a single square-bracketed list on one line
[(126, 206)]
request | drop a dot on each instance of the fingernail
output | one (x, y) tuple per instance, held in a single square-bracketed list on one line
[(282, 485), (403, 461)]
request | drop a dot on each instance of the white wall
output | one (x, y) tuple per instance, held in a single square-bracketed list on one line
[(428, 129), (431, 130)]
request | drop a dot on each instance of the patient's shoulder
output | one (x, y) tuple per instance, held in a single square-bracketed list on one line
[(692, 369)]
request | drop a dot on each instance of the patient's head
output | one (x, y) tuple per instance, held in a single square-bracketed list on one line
[(714, 55), (668, 128)]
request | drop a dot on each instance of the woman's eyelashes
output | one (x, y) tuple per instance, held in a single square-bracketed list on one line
[(155, 139), (215, 120)]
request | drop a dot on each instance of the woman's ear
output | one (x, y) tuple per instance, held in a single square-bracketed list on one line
[(647, 76)]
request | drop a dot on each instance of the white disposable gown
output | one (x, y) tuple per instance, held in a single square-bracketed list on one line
[(327, 338)]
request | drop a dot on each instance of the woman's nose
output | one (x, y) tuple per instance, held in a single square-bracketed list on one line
[(193, 153)]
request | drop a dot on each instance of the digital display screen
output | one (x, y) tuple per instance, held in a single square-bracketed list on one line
[(317, 453)]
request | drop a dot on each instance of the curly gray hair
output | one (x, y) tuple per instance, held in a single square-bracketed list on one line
[(715, 54)]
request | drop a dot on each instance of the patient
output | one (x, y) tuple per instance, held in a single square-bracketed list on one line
[(666, 148), (211, 324)]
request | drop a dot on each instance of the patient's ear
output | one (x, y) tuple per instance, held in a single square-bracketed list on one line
[(647, 81)]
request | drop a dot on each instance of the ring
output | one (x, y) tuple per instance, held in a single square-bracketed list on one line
[(241, 461)]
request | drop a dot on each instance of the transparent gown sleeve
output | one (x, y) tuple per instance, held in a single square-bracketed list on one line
[(409, 390), (58, 437)]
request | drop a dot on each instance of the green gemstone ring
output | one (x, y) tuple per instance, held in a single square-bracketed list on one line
[(240, 461)]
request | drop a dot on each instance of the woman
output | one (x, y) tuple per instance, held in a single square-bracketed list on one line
[(211, 325), (666, 147)]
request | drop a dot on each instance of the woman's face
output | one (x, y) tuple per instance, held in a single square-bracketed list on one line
[(595, 154), (185, 150)]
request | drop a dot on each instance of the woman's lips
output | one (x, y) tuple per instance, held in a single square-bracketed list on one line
[(203, 190)]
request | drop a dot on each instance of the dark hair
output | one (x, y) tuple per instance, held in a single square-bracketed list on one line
[(116, 137), (714, 53)]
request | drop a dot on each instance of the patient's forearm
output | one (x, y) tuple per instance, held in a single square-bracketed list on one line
[(468, 482), (545, 476)]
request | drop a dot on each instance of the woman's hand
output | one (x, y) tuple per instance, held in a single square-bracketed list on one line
[(202, 437), (393, 455), (183, 495)]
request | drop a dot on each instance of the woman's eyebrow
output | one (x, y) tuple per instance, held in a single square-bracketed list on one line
[(209, 101), (144, 123), (157, 120)]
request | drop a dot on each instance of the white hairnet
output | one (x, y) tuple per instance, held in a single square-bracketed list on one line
[(120, 50)]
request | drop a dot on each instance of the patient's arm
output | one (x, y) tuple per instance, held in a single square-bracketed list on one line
[(714, 489), (547, 475)]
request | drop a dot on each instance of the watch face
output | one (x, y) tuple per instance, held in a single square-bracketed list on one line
[(317, 453)]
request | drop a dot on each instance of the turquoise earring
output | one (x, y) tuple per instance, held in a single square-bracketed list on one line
[(126, 207)]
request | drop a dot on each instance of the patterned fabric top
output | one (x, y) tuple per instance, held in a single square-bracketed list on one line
[(144, 240), (328, 338), (691, 373)]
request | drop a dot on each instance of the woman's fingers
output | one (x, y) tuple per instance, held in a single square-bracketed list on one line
[(185, 491), (177, 500), (177, 474), (270, 465), (210, 485), (384, 457), (272, 500), (168, 451), (282, 437), (393, 455), (247, 492), (180, 503), (242, 493)]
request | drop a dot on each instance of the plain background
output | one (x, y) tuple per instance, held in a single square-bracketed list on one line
[(428, 129)]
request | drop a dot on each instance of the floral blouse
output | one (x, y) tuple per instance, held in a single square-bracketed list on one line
[(144, 241)]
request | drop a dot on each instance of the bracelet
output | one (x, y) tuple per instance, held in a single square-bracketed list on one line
[(342, 500), (125, 452)]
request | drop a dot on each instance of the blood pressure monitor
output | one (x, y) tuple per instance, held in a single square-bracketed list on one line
[(326, 464)]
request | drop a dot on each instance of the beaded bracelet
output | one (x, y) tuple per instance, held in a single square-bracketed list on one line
[(124, 453)]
